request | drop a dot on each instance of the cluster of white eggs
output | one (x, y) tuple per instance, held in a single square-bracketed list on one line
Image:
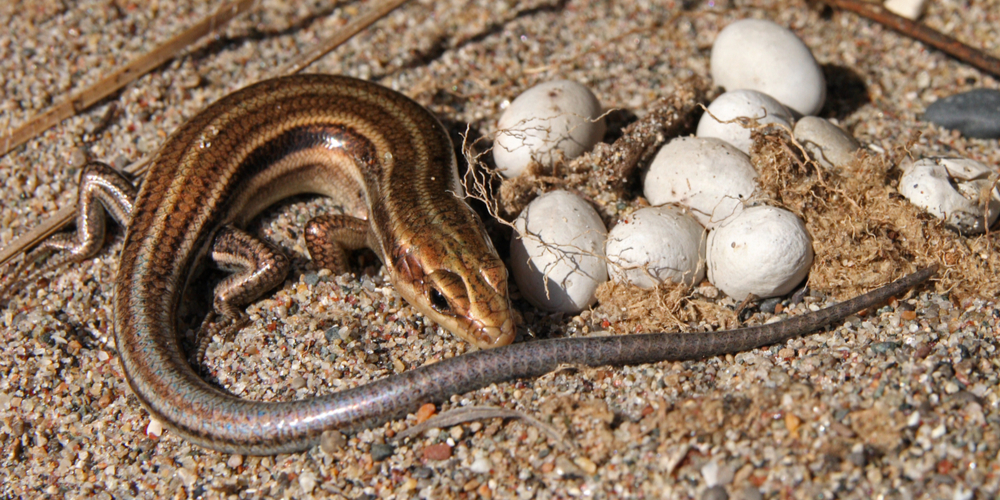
[(704, 220)]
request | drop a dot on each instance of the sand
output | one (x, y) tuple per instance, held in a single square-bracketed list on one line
[(899, 403)]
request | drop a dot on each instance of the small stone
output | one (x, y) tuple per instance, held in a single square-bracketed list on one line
[(154, 429), (975, 113), (566, 468), (749, 493), (440, 451), (764, 56), (481, 465), (234, 461), (586, 464), (827, 143), (381, 452), (884, 347), (792, 423), (331, 441), (77, 158), (715, 493), (307, 481), (768, 306), (425, 412), (910, 9), (298, 382), (186, 476)]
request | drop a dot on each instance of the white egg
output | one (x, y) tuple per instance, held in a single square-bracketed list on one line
[(764, 250), (763, 56), (548, 120), (827, 143), (558, 254), (657, 244), (950, 189), (718, 120), (709, 176)]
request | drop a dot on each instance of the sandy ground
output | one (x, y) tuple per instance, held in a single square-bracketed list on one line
[(898, 404)]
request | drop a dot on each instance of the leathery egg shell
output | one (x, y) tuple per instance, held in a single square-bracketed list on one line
[(950, 189), (657, 244), (737, 104), (708, 175), (550, 119), (557, 255), (764, 250), (764, 56)]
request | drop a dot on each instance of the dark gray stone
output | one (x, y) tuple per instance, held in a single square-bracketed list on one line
[(381, 452), (975, 113), (715, 493)]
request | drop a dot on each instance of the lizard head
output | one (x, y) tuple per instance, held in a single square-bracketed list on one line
[(465, 291)]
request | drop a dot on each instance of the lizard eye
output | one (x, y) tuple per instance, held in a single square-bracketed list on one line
[(438, 301)]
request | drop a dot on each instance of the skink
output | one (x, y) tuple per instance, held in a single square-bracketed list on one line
[(390, 163)]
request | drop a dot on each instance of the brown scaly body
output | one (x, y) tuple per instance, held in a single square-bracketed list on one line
[(391, 165)]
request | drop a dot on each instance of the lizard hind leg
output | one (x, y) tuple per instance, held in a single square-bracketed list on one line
[(256, 267), (329, 237), (103, 191)]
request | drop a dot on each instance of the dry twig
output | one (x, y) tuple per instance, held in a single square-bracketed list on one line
[(922, 33), (121, 77)]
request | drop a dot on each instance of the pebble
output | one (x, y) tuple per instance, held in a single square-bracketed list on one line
[(716, 475), (910, 9), (331, 442), (761, 55), (481, 465), (715, 493), (975, 113), (564, 467), (827, 143), (741, 103), (709, 176), (549, 120), (765, 251), (750, 493), (657, 244), (154, 429), (440, 451), (558, 255), (234, 461), (381, 451), (307, 481)]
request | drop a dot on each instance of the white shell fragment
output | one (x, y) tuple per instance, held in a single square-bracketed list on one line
[(827, 143), (765, 251), (951, 189), (910, 9), (657, 244), (764, 56), (558, 254), (548, 120), (718, 120), (709, 176)]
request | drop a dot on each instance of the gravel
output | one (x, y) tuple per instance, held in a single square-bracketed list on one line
[(899, 403)]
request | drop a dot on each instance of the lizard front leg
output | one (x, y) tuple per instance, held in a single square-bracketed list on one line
[(256, 267)]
